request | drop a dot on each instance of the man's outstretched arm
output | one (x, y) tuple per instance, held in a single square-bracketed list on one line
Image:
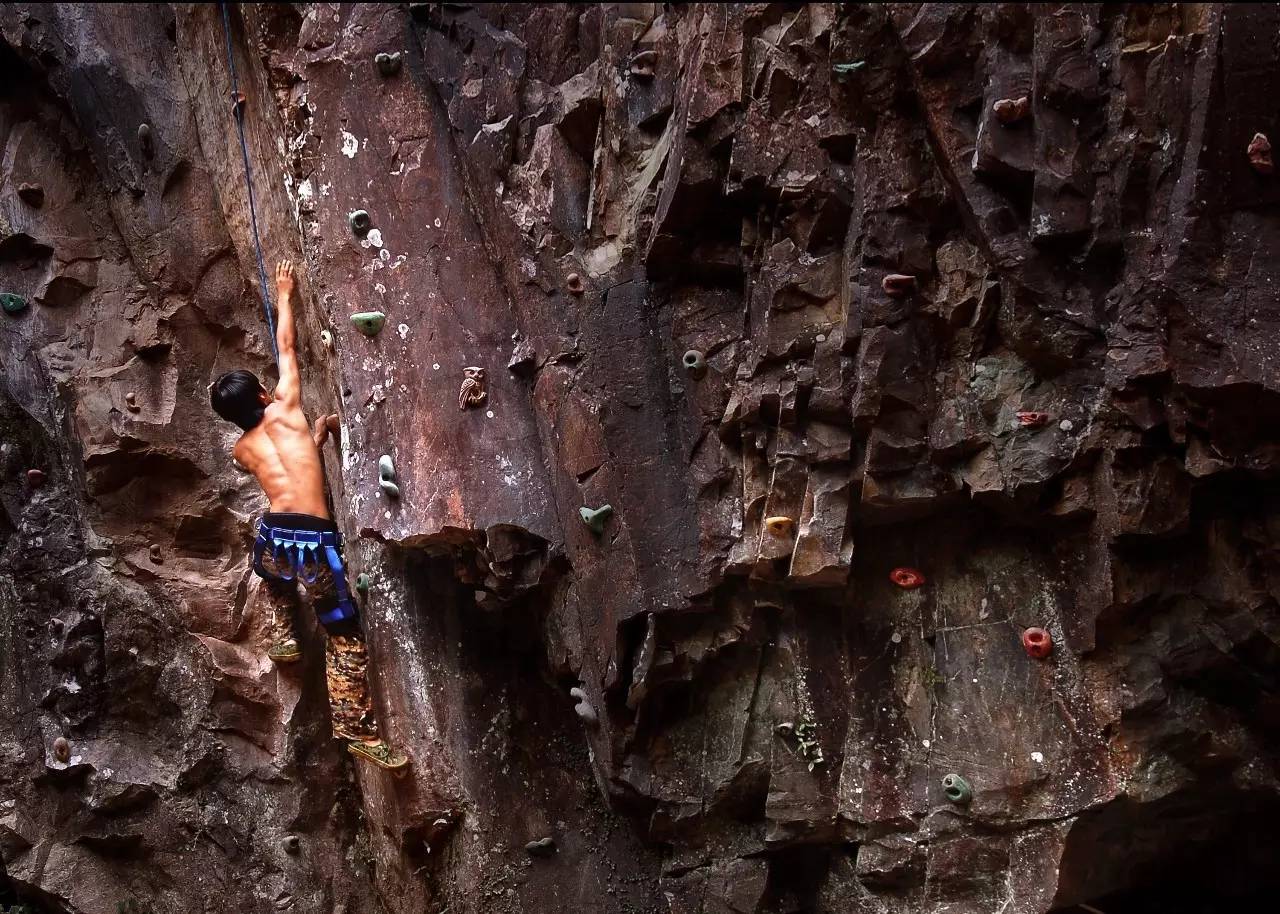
[(289, 390)]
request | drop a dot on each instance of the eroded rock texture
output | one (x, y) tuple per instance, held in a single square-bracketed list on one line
[(813, 296)]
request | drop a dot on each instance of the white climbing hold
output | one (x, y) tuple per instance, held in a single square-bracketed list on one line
[(1066, 425), (583, 708)]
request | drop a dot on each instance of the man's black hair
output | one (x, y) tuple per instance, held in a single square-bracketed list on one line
[(235, 397)]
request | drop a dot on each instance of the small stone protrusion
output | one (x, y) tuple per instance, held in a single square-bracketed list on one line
[(12, 303), (642, 65), (1260, 154), (291, 844), (146, 141), (131, 402), (543, 847), (157, 554), (1031, 419), (1011, 110), (898, 285), (957, 789), (363, 581), (595, 518), (62, 749), (584, 709), (31, 194), (472, 392), (695, 364), (907, 578), (388, 64), (573, 282), (779, 525), (326, 339), (1037, 642), (35, 478), (369, 322), (387, 476), (360, 222)]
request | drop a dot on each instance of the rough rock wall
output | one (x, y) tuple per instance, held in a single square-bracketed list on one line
[(982, 293)]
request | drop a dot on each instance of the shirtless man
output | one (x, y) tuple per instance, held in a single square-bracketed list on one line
[(297, 539)]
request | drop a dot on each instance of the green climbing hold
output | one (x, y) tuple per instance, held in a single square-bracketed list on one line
[(362, 582), (368, 322), (12, 303), (595, 518), (360, 222), (844, 69), (957, 789)]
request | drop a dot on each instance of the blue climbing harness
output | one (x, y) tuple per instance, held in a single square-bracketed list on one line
[(298, 554)]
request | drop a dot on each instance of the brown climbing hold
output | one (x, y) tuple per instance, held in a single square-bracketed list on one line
[(1037, 642), (898, 285), (642, 65), (237, 103), (1011, 110), (131, 402), (1031, 419), (1260, 154), (31, 194), (574, 283), (157, 554), (907, 578), (779, 525), (35, 478), (472, 392), (62, 749)]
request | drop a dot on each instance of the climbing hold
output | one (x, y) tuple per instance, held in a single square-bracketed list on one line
[(131, 402), (62, 749), (12, 303), (387, 476), (35, 478), (573, 282), (1029, 419), (779, 526), (844, 69), (472, 392), (388, 64), (31, 194), (237, 104), (1260, 154), (291, 844), (785, 729), (957, 789), (907, 578), (362, 582), (595, 518), (146, 142), (1037, 642), (695, 363), (642, 65), (1011, 110), (368, 322), (157, 554), (584, 708), (360, 222), (326, 339), (543, 847), (898, 285)]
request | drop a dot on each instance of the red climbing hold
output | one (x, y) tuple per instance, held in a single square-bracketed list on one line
[(1028, 419), (1260, 154), (35, 478), (907, 578), (1037, 642), (898, 285)]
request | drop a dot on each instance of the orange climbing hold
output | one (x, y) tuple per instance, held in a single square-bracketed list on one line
[(1029, 419), (1037, 642), (907, 578)]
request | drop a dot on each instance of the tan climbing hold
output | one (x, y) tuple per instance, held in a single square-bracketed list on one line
[(1011, 110), (779, 525), (573, 282), (62, 749), (472, 392), (378, 753), (131, 402), (157, 554)]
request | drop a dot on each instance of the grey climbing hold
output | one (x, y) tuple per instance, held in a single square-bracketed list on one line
[(326, 339), (146, 141), (131, 402), (387, 476), (362, 582), (388, 64), (595, 518), (291, 844), (31, 194), (12, 303), (157, 554), (543, 847), (695, 363), (641, 66), (368, 322), (360, 222), (62, 749), (957, 789), (584, 708)]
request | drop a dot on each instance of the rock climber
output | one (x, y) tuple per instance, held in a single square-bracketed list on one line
[(298, 542)]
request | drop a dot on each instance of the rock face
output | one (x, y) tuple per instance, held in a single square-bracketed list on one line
[(887, 332)]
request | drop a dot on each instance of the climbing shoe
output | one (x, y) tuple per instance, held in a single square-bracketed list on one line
[(380, 753), (285, 652)]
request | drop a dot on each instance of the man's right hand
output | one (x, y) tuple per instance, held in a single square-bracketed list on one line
[(285, 280)]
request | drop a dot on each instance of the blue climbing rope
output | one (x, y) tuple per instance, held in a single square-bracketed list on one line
[(238, 107)]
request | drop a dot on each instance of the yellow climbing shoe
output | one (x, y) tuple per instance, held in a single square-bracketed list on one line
[(380, 753), (285, 652)]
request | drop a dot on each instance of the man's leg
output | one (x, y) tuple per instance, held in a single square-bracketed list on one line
[(282, 598)]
